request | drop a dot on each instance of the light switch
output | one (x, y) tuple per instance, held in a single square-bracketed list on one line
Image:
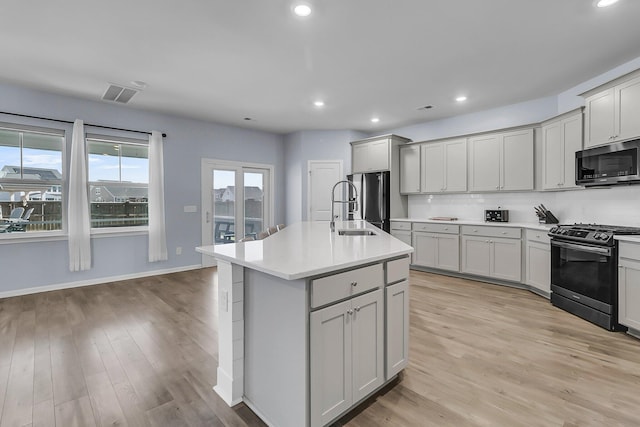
[(191, 208)]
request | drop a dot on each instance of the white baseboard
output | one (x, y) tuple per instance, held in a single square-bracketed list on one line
[(97, 281)]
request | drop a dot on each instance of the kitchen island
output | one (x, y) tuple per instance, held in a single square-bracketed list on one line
[(311, 321)]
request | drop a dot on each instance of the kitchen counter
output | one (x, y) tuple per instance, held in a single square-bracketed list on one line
[(280, 299), (307, 249), (528, 225)]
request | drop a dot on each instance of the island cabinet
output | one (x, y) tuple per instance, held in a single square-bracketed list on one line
[(310, 322), (538, 262), (629, 285), (501, 161), (397, 317), (612, 111), (492, 252), (561, 138), (444, 166), (410, 169), (436, 246)]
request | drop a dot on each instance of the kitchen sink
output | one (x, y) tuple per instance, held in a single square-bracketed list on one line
[(356, 232)]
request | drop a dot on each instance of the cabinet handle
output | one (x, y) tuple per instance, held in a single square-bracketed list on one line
[(357, 308), (486, 241), (475, 231), (354, 284), (504, 232), (497, 187), (350, 312), (490, 241), (446, 228)]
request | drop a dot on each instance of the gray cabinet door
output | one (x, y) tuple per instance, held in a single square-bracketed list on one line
[(367, 343), (397, 328), (331, 362)]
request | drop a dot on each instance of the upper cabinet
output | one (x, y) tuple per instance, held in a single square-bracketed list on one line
[(410, 169), (612, 111), (444, 166), (561, 138), (371, 155), (501, 161)]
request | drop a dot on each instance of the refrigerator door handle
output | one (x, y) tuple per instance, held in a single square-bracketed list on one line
[(362, 191), (381, 196)]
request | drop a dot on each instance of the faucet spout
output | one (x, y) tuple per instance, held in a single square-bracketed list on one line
[(332, 224)]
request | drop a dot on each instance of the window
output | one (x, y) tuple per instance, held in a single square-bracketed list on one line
[(31, 178), (118, 181)]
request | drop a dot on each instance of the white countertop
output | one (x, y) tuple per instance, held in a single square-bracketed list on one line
[(529, 225), (308, 249)]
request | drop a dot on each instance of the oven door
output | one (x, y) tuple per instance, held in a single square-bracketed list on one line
[(584, 269)]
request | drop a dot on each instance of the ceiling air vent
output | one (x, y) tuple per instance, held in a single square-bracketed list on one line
[(121, 94)]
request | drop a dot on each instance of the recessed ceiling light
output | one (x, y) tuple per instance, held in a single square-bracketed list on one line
[(375, 120), (605, 3), (461, 98), (319, 103), (302, 9)]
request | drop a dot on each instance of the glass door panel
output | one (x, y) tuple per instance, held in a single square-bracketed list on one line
[(224, 206), (254, 206)]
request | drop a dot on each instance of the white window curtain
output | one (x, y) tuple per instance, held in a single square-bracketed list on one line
[(78, 207), (157, 232)]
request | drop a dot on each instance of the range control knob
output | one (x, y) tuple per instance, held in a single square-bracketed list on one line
[(604, 236), (553, 230)]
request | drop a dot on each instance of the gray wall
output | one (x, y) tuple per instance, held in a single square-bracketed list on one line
[(33, 264), (300, 147)]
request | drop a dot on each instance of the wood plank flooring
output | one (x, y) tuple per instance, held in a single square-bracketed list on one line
[(144, 353)]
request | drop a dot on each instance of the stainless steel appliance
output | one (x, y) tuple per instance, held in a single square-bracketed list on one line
[(373, 189), (584, 271), (496, 215), (608, 165)]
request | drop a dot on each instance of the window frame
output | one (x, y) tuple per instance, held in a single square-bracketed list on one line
[(62, 182), (130, 230)]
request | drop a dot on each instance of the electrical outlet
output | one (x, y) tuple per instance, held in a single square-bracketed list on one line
[(179, 250)]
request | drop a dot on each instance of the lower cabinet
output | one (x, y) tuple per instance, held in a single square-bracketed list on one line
[(397, 330), (538, 261), (629, 285), (346, 354), (490, 256), (436, 250)]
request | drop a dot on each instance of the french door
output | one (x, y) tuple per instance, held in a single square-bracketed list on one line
[(237, 201)]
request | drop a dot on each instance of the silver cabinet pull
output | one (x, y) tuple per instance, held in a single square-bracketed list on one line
[(357, 308), (349, 311), (354, 283)]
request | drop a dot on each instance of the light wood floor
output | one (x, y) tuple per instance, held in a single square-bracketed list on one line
[(143, 352)]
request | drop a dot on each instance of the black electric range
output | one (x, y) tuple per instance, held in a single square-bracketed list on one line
[(584, 271)]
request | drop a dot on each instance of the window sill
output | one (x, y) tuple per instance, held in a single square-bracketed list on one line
[(99, 233), (34, 236)]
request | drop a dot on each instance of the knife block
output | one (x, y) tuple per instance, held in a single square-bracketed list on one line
[(549, 218)]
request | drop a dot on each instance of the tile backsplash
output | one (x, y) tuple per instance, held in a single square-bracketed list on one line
[(617, 205)]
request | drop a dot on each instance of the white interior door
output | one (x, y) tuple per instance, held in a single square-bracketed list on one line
[(323, 174), (237, 201)]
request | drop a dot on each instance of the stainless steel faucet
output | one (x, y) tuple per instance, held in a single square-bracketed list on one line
[(334, 201)]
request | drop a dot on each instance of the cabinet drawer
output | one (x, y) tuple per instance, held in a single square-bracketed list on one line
[(326, 290), (538, 236), (397, 270), (629, 251), (436, 228), (400, 225), (483, 230)]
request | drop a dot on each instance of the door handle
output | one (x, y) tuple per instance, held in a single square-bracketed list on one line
[(208, 219)]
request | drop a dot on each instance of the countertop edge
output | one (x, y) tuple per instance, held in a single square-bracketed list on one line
[(632, 239), (304, 274), (532, 226)]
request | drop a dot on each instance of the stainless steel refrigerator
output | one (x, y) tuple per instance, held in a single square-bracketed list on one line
[(373, 198)]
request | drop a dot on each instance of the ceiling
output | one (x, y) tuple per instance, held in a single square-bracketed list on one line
[(226, 60)]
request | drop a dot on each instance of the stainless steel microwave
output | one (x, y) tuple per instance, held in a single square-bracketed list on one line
[(608, 165)]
